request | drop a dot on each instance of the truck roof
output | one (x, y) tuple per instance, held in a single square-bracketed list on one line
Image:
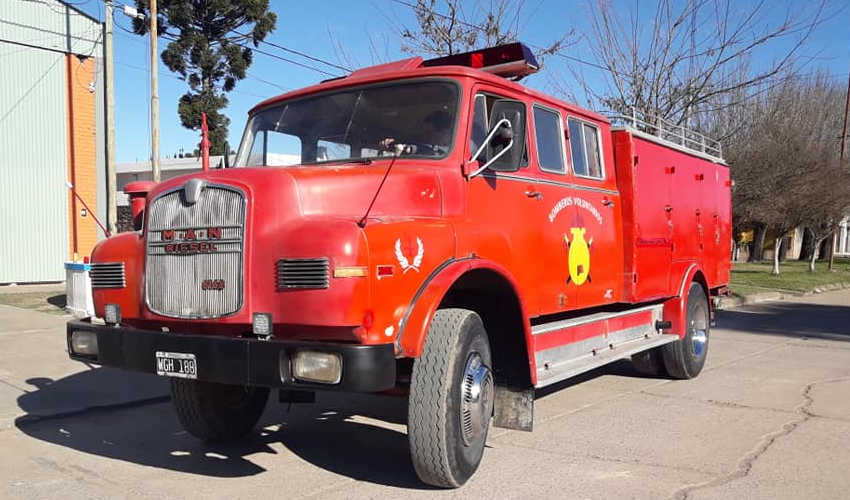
[(414, 68)]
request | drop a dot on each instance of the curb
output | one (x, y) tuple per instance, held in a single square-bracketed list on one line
[(737, 301)]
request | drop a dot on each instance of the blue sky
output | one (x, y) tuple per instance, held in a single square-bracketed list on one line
[(366, 27)]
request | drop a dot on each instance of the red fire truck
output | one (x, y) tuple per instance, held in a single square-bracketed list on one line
[(430, 228)]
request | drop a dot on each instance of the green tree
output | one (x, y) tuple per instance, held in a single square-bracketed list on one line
[(209, 47)]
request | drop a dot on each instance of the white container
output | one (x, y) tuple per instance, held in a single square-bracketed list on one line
[(78, 299)]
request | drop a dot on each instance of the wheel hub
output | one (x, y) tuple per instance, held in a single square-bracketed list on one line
[(476, 399), (699, 333)]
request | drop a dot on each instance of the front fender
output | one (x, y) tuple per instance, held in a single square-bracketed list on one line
[(417, 319)]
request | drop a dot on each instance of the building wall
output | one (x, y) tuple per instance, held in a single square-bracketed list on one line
[(49, 71), (33, 165), (82, 155)]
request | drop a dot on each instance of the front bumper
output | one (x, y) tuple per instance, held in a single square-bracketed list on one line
[(238, 361)]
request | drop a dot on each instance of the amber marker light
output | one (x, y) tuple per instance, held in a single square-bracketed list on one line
[(350, 272)]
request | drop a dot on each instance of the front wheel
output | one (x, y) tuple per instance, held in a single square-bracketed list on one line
[(217, 412), (685, 358), (451, 399)]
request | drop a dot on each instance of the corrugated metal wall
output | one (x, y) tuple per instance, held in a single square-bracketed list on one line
[(33, 165), (34, 219)]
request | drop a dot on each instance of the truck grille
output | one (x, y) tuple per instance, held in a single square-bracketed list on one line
[(107, 275), (302, 273), (194, 253)]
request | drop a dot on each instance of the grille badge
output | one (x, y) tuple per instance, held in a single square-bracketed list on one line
[(192, 190)]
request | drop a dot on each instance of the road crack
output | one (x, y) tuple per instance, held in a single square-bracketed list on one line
[(746, 463)]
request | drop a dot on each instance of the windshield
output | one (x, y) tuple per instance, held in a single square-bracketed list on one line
[(411, 119)]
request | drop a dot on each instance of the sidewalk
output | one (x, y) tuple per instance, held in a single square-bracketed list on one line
[(38, 380)]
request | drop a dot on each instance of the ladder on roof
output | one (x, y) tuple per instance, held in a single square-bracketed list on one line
[(669, 132)]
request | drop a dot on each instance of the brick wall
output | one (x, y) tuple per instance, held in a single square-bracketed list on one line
[(82, 162)]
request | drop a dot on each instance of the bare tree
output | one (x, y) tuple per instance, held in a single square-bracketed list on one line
[(785, 159), (676, 64), (445, 27)]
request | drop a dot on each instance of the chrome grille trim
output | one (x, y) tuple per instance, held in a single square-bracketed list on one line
[(108, 275), (303, 273), (173, 280)]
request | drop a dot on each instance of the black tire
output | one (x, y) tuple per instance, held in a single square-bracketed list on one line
[(685, 358), (445, 449), (217, 412), (650, 363)]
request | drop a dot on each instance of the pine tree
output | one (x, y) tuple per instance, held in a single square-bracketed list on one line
[(210, 48)]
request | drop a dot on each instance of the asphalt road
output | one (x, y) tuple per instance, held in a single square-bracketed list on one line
[(769, 417)]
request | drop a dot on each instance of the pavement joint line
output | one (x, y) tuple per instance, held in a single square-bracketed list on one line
[(614, 460), (22, 332), (27, 420), (13, 386), (746, 463)]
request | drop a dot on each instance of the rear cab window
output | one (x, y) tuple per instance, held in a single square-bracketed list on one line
[(586, 149)]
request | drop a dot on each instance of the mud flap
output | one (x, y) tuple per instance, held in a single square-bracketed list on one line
[(514, 408)]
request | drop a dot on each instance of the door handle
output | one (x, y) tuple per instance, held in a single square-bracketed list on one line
[(534, 194), (607, 202), (668, 208)]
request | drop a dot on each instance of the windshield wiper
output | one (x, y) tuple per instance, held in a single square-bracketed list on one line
[(341, 161)]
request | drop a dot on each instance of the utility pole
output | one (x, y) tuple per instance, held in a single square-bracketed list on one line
[(111, 176), (843, 149), (154, 95)]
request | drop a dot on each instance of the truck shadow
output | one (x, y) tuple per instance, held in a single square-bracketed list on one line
[(788, 319), (357, 436)]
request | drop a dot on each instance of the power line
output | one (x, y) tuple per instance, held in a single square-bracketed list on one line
[(290, 61), (484, 30), (299, 53)]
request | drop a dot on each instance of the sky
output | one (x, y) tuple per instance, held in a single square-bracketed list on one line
[(367, 31)]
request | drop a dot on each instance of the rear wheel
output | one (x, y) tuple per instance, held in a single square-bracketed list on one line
[(217, 412), (685, 358), (451, 399)]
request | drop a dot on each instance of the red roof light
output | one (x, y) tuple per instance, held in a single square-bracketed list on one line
[(513, 60)]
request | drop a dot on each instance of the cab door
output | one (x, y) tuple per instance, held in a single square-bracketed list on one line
[(556, 290), (502, 203)]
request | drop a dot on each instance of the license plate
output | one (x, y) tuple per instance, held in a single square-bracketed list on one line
[(176, 364)]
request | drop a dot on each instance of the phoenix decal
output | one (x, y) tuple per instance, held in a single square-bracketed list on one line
[(404, 262)]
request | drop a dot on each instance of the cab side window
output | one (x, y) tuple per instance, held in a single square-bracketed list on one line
[(479, 123), (550, 143), (584, 147), (481, 111)]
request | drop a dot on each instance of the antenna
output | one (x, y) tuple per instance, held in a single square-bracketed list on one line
[(399, 148)]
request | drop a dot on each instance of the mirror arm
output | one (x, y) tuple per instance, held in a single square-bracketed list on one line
[(493, 159), (486, 141)]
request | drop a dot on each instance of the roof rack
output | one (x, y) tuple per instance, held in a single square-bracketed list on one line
[(654, 127)]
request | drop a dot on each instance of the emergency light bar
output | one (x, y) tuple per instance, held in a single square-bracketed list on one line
[(511, 60)]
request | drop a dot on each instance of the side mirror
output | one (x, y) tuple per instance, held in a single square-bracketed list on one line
[(505, 141), (226, 155)]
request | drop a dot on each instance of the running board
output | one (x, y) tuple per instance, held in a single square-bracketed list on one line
[(576, 366), (565, 348)]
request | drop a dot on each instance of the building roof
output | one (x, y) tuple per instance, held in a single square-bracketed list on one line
[(166, 164)]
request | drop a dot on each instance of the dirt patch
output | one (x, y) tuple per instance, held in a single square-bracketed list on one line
[(48, 302)]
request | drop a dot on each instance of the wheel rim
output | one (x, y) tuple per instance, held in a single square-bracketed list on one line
[(476, 400), (698, 330)]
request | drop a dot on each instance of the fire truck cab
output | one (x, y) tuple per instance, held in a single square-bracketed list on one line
[(426, 228)]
